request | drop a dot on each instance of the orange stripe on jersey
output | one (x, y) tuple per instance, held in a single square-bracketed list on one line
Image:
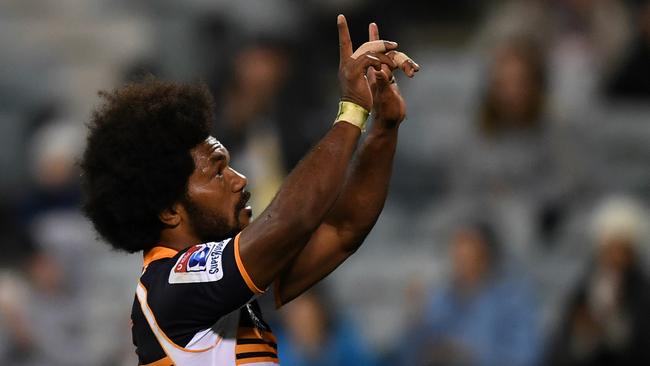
[(255, 345), (162, 362), (245, 348), (248, 332), (270, 337), (156, 253), (242, 270)]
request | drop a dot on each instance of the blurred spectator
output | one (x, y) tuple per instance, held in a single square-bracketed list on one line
[(51, 208), (584, 39), (53, 316), (508, 148), (32, 309), (43, 319), (606, 321), (515, 97), (632, 79), (60, 268), (259, 72), (482, 316), (250, 122), (314, 335), (52, 150), (518, 160)]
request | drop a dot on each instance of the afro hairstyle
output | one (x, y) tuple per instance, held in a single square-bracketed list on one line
[(137, 160)]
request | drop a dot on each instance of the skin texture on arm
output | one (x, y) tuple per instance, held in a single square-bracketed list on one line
[(362, 199), (349, 221), (271, 241)]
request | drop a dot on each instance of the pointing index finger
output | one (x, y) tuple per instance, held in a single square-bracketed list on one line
[(345, 44)]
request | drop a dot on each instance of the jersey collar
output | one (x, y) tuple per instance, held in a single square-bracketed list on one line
[(156, 253)]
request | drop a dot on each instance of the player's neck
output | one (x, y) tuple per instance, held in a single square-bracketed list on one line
[(177, 238)]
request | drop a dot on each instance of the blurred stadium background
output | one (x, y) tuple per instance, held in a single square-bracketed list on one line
[(515, 232)]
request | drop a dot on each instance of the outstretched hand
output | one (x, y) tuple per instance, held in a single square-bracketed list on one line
[(353, 67)]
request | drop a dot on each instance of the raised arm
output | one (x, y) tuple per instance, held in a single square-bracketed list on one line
[(281, 231), (362, 198)]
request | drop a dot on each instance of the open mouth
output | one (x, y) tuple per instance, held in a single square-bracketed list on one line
[(243, 203)]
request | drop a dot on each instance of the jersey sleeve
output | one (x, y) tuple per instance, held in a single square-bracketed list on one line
[(204, 283), (210, 263)]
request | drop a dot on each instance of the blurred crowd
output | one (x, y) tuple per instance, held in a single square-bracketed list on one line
[(516, 229)]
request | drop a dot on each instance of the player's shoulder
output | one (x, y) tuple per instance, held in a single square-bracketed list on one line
[(200, 263)]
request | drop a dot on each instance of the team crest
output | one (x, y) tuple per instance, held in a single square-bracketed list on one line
[(200, 263)]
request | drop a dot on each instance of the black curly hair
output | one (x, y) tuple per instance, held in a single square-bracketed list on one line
[(137, 160)]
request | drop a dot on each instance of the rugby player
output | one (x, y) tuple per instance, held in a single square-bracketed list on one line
[(155, 181)]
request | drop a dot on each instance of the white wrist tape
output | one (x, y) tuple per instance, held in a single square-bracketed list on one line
[(352, 113)]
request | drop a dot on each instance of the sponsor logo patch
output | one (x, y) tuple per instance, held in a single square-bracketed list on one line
[(194, 260), (200, 263)]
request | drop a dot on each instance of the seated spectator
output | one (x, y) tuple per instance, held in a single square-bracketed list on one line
[(314, 336), (482, 316), (509, 147), (519, 160), (606, 321)]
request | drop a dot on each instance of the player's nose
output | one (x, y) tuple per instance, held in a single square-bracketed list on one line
[(239, 182)]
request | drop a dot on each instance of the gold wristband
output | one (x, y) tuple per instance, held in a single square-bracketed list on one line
[(353, 114)]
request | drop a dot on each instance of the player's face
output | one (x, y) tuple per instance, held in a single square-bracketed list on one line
[(216, 205)]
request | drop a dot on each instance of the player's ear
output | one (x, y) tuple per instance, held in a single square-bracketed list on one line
[(171, 216)]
